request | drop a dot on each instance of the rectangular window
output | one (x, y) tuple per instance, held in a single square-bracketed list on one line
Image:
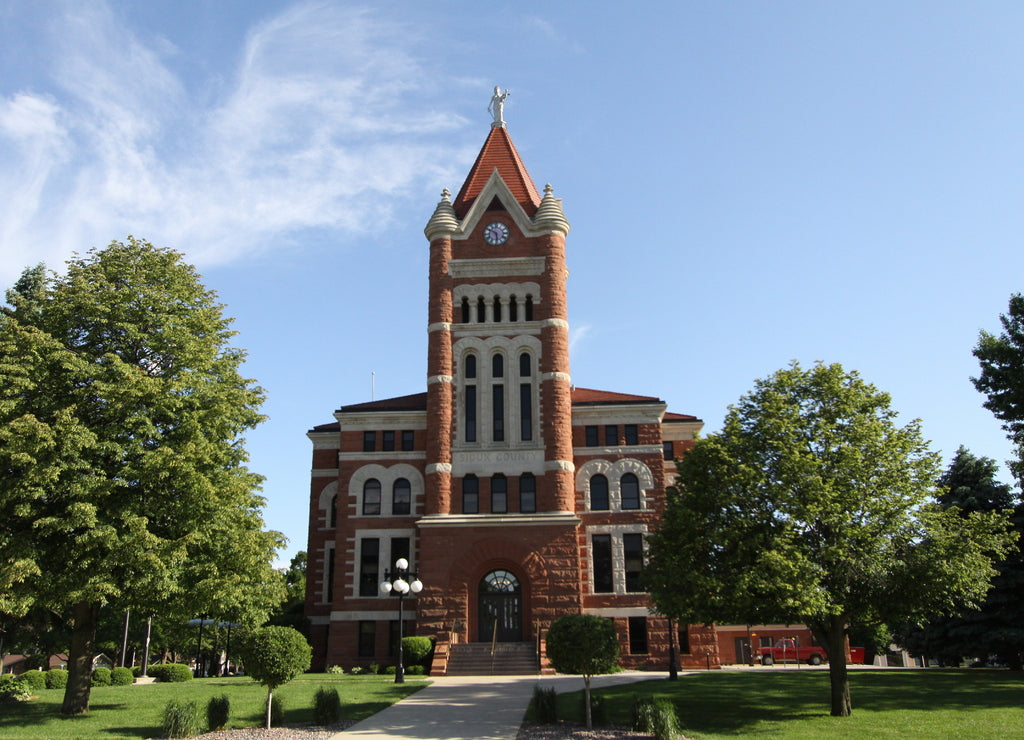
[(471, 413), (330, 575), (632, 434), (638, 635), (369, 566), (367, 639), (611, 435), (668, 451), (633, 552), (388, 441), (527, 494), (470, 495), (684, 639), (400, 549), (369, 441), (499, 494), (525, 412), (590, 432), (601, 549), (498, 412), (408, 440)]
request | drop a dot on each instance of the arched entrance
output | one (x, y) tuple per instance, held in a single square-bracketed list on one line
[(500, 608)]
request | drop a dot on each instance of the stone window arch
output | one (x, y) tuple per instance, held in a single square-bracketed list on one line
[(638, 481), (387, 478), (328, 502)]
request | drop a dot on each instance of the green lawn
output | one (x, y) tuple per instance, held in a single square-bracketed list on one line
[(918, 704), (133, 712)]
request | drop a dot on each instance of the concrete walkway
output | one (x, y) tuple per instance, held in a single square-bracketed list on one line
[(471, 707)]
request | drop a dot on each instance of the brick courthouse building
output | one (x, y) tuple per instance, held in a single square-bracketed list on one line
[(515, 495)]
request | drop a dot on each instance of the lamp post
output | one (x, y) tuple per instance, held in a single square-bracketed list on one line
[(673, 670), (401, 583)]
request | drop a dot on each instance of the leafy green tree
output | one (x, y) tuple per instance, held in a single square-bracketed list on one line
[(292, 612), (274, 656), (122, 462), (585, 645), (811, 505), (996, 627), (1002, 376)]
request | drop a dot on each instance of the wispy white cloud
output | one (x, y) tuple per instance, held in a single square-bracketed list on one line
[(327, 118)]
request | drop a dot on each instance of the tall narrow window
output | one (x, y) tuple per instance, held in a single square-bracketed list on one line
[(498, 411), (499, 494), (638, 635), (599, 493), (632, 434), (611, 435), (400, 549), (630, 488), (667, 451), (525, 412), (601, 550), (470, 495), (498, 366), (371, 497), (332, 520), (408, 440), (387, 442), (470, 366), (684, 639), (590, 433), (527, 493), (330, 575), (633, 555), (497, 308), (528, 308), (465, 311), (401, 497), (513, 309), (367, 639), (369, 441), (369, 566), (471, 413), (481, 310)]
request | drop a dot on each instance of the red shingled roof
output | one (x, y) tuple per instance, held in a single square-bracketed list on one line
[(589, 395), (415, 402), (498, 152)]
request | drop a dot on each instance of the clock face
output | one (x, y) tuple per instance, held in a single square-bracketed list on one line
[(496, 233)]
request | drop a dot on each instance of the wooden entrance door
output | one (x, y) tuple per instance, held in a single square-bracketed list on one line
[(500, 608)]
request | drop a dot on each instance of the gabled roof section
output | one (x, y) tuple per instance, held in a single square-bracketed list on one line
[(498, 153), (415, 402), (583, 396)]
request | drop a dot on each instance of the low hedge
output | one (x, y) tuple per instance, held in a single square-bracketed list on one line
[(171, 672), (122, 677), (35, 680), (101, 676), (56, 678)]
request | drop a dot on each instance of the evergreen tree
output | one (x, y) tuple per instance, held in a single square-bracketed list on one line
[(122, 463)]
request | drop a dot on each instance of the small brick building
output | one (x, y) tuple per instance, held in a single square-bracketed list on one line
[(517, 496)]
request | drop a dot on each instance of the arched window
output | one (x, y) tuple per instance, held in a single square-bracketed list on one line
[(465, 310), (525, 366), (470, 366), (630, 489), (371, 497), (599, 493), (332, 518), (527, 493), (529, 308), (470, 495), (513, 309), (498, 366), (401, 497), (497, 308), (481, 310), (470, 400), (499, 494)]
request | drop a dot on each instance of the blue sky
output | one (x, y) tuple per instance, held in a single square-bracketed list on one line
[(748, 183)]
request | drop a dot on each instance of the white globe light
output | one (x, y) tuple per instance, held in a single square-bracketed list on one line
[(401, 586), (401, 564), (385, 588), (416, 586)]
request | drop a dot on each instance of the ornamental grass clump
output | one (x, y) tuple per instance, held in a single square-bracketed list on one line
[(218, 709), (656, 717), (326, 706), (181, 719)]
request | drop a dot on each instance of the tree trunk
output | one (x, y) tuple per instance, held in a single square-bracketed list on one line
[(83, 636), (586, 685), (270, 700), (839, 678)]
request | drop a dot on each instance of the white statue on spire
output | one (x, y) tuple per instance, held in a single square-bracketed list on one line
[(497, 106)]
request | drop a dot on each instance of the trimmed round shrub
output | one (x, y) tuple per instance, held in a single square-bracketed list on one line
[(35, 680), (217, 711), (171, 672), (416, 670), (388, 670), (181, 719), (417, 650), (56, 678), (101, 676), (122, 676), (12, 690), (326, 706)]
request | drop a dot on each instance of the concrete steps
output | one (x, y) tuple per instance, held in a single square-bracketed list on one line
[(509, 659)]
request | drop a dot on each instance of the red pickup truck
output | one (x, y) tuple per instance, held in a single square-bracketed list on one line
[(787, 649)]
